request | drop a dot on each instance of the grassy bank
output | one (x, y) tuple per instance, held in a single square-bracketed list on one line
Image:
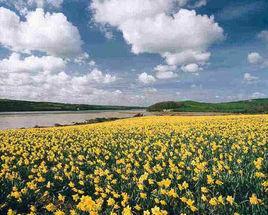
[(16, 105), (248, 106)]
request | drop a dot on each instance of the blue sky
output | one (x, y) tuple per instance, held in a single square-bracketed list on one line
[(114, 57)]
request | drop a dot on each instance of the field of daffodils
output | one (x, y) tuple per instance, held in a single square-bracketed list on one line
[(150, 165)]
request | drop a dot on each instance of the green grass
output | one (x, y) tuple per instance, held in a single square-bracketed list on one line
[(248, 106), (16, 105)]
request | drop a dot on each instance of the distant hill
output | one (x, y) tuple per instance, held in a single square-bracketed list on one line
[(248, 106), (16, 105)]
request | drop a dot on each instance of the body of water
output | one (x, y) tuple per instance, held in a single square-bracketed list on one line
[(11, 120)]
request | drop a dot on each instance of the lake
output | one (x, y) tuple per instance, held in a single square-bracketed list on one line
[(12, 120)]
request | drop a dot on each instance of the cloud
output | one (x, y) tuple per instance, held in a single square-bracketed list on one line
[(255, 58), (24, 6), (192, 4), (263, 35), (48, 66), (257, 95), (50, 33), (165, 72), (187, 57), (165, 34), (83, 59), (44, 79), (149, 28), (193, 68), (30, 64), (166, 75), (115, 12), (199, 3), (146, 79), (150, 90), (250, 78), (54, 3), (182, 3), (59, 87), (98, 77), (43, 3)]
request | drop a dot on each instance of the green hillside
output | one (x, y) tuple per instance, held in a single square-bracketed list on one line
[(248, 106), (16, 105)]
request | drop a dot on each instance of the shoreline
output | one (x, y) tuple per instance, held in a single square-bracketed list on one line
[(67, 112), (66, 119), (86, 122), (111, 119), (43, 120)]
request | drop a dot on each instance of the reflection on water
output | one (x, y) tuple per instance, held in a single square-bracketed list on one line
[(32, 119)]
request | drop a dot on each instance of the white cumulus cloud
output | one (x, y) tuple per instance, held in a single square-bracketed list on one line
[(97, 76), (24, 6), (187, 57), (257, 95), (30, 79), (149, 27), (189, 3), (115, 12), (200, 3), (51, 33), (165, 34), (150, 90), (263, 35), (193, 68), (166, 71), (250, 78), (146, 79), (166, 75), (255, 58), (30, 64), (43, 3)]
